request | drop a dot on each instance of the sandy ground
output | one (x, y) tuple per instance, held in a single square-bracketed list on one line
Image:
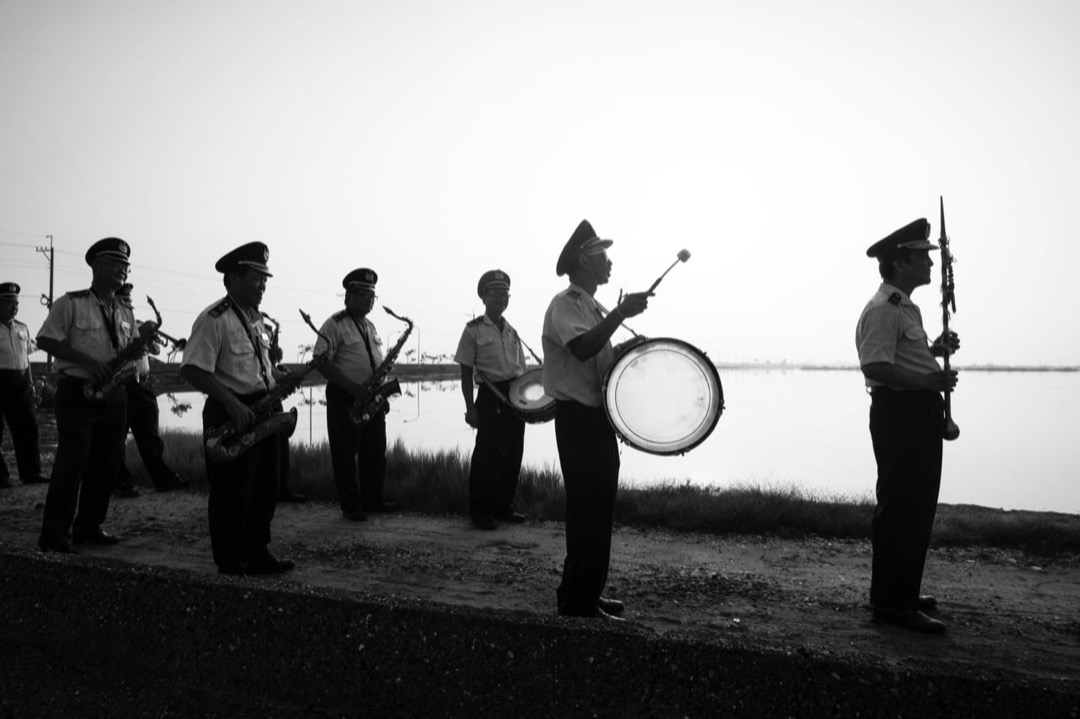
[(1005, 611)]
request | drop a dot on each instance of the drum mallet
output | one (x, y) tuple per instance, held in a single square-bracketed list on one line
[(684, 255)]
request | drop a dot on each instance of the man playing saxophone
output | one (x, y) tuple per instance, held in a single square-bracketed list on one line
[(227, 358), (357, 451), (86, 332)]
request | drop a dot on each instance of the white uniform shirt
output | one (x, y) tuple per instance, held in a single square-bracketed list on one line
[(78, 320), (572, 313), (891, 330), (348, 353), (221, 345), (15, 346), (495, 354)]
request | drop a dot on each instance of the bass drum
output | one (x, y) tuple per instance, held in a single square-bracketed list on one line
[(663, 396), (528, 399)]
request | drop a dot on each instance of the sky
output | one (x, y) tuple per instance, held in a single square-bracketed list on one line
[(775, 140)]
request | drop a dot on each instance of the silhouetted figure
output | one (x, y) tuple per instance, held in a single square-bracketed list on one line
[(577, 354), (84, 331), (17, 391), (227, 358), (491, 349), (906, 423), (143, 421), (358, 453)]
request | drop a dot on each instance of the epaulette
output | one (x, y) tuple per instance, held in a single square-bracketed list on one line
[(474, 322), (894, 299), (339, 316), (574, 294), (220, 307), (79, 293)]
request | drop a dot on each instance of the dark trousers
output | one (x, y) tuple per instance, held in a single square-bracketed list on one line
[(17, 412), (906, 431), (358, 454), (89, 449), (243, 495), (589, 456), (496, 458), (143, 421)]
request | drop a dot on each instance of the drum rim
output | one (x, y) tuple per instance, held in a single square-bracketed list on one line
[(518, 383), (695, 350), (531, 413)]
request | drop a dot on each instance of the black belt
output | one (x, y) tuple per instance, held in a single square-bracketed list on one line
[(502, 385)]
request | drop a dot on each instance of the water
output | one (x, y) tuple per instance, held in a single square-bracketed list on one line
[(808, 429)]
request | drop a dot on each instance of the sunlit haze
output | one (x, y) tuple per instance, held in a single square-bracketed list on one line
[(432, 141)]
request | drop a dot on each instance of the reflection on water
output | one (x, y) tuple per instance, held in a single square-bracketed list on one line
[(803, 428)]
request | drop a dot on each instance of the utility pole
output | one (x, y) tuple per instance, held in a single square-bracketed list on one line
[(47, 301)]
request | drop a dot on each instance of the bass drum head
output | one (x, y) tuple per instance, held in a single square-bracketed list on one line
[(663, 396), (528, 399)]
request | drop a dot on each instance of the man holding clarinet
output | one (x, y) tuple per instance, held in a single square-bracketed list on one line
[(907, 425)]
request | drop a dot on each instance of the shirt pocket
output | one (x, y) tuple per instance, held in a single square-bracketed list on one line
[(242, 353), (914, 332), (88, 332), (486, 349)]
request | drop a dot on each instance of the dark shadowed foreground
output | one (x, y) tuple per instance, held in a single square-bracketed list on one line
[(406, 616)]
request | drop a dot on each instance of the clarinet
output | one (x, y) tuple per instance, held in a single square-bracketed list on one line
[(120, 367), (948, 306), (378, 389)]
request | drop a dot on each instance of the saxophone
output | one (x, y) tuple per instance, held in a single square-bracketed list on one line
[(226, 442), (378, 389), (275, 350), (121, 367)]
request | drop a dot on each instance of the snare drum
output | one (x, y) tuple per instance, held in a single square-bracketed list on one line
[(528, 400), (663, 396)]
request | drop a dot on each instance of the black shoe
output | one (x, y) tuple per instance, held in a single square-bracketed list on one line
[(36, 479), (383, 507), (270, 565), (291, 497), (595, 613), (511, 516), (96, 536), (483, 521), (925, 603), (59, 546), (354, 515), (909, 619), (611, 606), (126, 492)]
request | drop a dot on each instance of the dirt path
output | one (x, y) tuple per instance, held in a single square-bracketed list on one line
[(1005, 611)]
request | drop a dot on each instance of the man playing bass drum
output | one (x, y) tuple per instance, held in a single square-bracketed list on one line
[(906, 425), (490, 347), (577, 354), (227, 358), (357, 452)]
